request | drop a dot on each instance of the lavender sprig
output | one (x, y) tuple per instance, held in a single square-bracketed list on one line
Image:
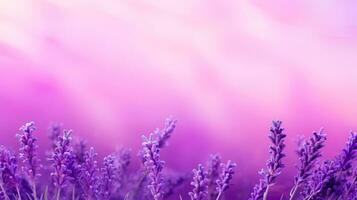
[(28, 154), (109, 177), (213, 172), (8, 177), (225, 177), (199, 184), (309, 151), (330, 180), (164, 134), (274, 164), (62, 159), (153, 166), (88, 177)]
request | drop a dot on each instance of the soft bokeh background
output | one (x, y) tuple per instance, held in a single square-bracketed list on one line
[(113, 70)]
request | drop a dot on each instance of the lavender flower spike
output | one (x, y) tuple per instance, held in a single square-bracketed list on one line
[(8, 177), (28, 153), (88, 174), (225, 177), (309, 151), (165, 133), (274, 164), (109, 176), (153, 165), (62, 159), (199, 184), (213, 172)]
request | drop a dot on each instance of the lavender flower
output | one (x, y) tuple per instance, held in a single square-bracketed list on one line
[(331, 179), (274, 164), (54, 131), (28, 154), (109, 177), (164, 134), (213, 172), (62, 159), (88, 177), (309, 151), (8, 177), (199, 184), (153, 166), (225, 177), (28, 151), (122, 161)]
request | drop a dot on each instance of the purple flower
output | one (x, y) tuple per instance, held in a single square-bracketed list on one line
[(199, 184), (164, 134), (28, 151), (62, 160), (225, 177), (348, 154), (153, 166), (54, 131), (274, 164), (8, 177), (213, 172), (109, 173), (88, 177), (309, 151)]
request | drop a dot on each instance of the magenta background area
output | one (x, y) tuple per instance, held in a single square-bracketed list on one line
[(114, 70)]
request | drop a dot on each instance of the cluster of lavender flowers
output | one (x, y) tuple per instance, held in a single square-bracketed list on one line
[(76, 173)]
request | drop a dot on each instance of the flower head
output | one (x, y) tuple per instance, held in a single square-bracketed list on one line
[(199, 184), (89, 174), (62, 159), (153, 166), (109, 173), (225, 177), (274, 164), (28, 151)]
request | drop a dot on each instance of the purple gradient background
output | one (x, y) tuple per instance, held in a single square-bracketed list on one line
[(113, 70)]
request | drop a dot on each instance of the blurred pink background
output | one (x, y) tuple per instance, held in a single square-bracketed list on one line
[(113, 70)]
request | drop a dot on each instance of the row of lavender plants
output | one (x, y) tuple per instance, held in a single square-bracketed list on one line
[(76, 174)]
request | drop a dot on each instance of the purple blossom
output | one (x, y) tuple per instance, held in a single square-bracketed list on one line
[(225, 177), (62, 160), (88, 177), (274, 164), (199, 184), (109, 177), (213, 172), (308, 153), (54, 131), (164, 134), (153, 166), (8, 177), (28, 151)]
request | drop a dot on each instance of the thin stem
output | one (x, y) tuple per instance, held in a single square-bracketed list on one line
[(34, 190), (3, 191), (18, 192), (58, 193), (73, 193), (45, 193), (265, 196), (293, 192), (219, 195)]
